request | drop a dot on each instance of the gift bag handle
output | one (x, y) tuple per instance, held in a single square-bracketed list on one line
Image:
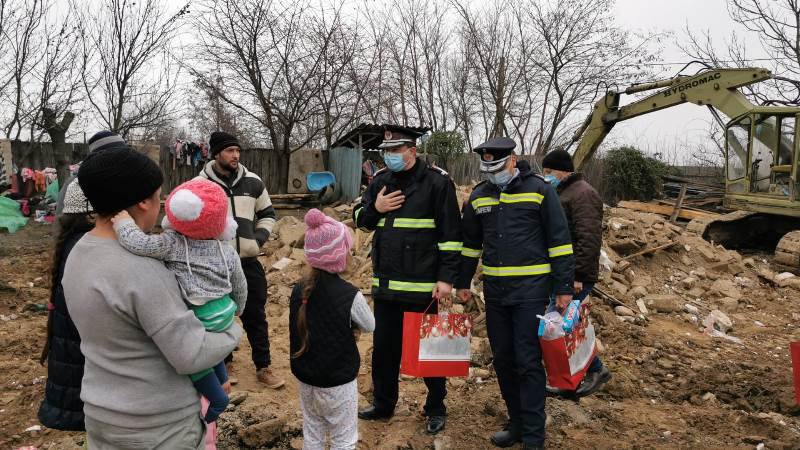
[(431, 304)]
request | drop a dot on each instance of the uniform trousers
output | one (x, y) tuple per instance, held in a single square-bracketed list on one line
[(386, 353), (517, 359)]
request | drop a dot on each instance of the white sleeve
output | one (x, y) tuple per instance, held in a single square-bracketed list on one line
[(361, 314)]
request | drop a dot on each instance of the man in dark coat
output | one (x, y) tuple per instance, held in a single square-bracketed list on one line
[(584, 210)]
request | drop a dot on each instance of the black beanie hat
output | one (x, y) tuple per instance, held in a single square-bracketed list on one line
[(221, 140), (116, 178), (558, 160)]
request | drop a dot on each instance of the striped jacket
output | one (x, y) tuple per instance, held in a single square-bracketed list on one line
[(249, 204), (521, 233)]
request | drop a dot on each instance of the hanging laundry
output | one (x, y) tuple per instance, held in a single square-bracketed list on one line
[(51, 174), (41, 180)]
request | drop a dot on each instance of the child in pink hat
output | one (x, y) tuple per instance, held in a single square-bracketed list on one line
[(325, 315), (194, 247)]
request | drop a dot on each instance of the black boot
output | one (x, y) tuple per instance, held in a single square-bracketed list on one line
[(551, 391), (593, 382), (435, 424), (508, 437), (372, 413)]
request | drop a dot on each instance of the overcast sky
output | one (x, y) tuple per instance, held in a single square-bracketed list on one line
[(685, 125)]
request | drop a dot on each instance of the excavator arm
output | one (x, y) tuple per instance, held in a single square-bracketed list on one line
[(717, 88)]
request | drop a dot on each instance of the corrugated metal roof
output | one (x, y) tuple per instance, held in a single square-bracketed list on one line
[(367, 136)]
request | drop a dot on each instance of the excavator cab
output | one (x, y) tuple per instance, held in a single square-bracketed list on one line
[(761, 149)]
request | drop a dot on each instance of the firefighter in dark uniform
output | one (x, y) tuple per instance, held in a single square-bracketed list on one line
[(416, 250), (514, 222)]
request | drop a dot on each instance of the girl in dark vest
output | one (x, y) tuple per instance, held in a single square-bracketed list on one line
[(62, 408), (326, 315)]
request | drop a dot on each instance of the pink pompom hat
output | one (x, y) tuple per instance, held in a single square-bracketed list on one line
[(198, 209), (328, 242)]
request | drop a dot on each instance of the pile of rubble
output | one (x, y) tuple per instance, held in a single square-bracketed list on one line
[(653, 266)]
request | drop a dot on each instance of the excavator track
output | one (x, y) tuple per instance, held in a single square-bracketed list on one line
[(752, 230), (787, 252)]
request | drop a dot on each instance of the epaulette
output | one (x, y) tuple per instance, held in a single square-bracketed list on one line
[(438, 169), (541, 177), (380, 171)]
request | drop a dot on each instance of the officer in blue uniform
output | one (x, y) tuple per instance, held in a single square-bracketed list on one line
[(514, 222), (412, 208)]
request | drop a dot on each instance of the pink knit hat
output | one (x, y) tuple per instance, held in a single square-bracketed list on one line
[(198, 209), (328, 242)]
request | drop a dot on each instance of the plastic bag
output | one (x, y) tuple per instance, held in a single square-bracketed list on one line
[(605, 262), (551, 326), (52, 191), (11, 217)]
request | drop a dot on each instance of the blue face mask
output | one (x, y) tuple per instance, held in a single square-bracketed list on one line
[(394, 161), (500, 179), (552, 180)]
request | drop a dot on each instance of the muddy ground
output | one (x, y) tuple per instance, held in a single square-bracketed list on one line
[(673, 387)]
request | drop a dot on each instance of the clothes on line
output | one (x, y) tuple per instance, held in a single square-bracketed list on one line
[(188, 153)]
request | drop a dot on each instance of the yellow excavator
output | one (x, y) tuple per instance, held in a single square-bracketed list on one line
[(762, 148)]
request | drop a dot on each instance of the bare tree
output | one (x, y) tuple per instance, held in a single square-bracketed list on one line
[(128, 75), (285, 58), (498, 60), (21, 35), (776, 25), (42, 75), (207, 113), (582, 49)]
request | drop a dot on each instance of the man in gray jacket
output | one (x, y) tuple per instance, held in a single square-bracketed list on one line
[(139, 339)]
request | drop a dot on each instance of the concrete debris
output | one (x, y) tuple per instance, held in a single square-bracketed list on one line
[(291, 231), (783, 276), (638, 292), (282, 264), (442, 443), (718, 320), (238, 397), (624, 311), (642, 307), (481, 351), (263, 434), (728, 304), (663, 303)]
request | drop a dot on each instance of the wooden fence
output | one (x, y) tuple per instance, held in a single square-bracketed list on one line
[(262, 161), (39, 155)]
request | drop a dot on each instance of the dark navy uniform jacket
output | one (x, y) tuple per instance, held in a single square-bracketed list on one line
[(522, 236), (420, 243)]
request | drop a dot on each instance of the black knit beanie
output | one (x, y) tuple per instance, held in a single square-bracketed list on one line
[(558, 160), (221, 140), (117, 178)]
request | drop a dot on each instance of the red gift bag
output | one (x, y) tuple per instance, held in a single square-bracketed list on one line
[(567, 358), (794, 348), (436, 345)]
